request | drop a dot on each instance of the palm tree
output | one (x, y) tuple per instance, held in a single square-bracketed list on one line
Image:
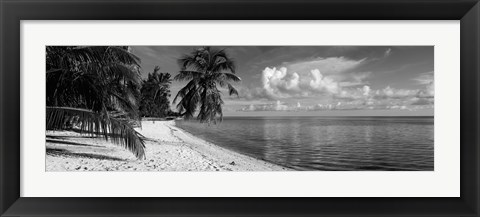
[(93, 89), (205, 68), (155, 93)]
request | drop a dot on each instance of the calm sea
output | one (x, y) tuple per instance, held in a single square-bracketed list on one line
[(327, 143)]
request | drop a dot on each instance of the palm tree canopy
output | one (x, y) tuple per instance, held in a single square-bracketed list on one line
[(155, 94), (94, 88), (204, 69), (96, 78)]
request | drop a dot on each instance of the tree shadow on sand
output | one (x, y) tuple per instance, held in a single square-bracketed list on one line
[(65, 153), (71, 143), (71, 136)]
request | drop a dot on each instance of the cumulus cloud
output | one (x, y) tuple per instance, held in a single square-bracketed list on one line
[(366, 90), (354, 98), (282, 83), (334, 90), (277, 83), (306, 78), (323, 84)]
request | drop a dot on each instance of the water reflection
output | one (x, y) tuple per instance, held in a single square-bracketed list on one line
[(319, 143)]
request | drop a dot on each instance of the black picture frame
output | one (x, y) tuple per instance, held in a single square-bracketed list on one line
[(13, 11)]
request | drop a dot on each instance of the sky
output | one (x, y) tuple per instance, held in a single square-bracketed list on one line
[(317, 80)]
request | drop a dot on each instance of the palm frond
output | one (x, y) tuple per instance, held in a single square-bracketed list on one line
[(232, 90), (119, 54), (121, 71), (188, 104), (222, 62), (224, 77), (125, 102), (185, 61), (75, 56), (191, 62), (183, 92), (187, 75), (232, 77), (92, 123)]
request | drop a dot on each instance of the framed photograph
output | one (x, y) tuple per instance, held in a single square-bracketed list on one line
[(245, 108)]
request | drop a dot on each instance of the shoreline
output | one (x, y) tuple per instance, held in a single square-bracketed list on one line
[(168, 148), (231, 152)]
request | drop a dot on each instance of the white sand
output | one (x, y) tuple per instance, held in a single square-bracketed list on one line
[(168, 148)]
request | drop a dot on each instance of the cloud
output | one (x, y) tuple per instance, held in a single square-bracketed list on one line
[(283, 83), (323, 84), (279, 106), (428, 91), (331, 87), (392, 93), (423, 101), (387, 94), (403, 107), (321, 107), (314, 77), (366, 90), (427, 79), (331, 65), (276, 82), (341, 104), (355, 79), (280, 84), (276, 106)]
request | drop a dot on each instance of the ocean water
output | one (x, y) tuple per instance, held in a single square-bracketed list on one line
[(327, 143)]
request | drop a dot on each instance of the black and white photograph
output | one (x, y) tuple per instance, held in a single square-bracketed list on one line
[(210, 108)]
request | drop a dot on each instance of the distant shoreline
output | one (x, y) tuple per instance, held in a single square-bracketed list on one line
[(333, 116)]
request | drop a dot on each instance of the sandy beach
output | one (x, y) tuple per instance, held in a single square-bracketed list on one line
[(168, 148)]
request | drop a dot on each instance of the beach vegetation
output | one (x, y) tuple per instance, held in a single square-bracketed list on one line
[(93, 90), (205, 70), (155, 94)]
